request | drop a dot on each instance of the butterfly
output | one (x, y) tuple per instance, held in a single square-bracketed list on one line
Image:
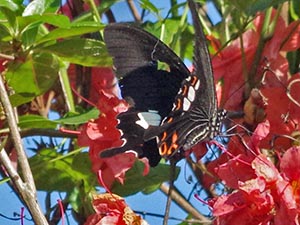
[(186, 101)]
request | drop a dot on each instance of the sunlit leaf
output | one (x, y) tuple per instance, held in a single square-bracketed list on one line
[(9, 15), (86, 52), (35, 7), (29, 35), (35, 76), (55, 172), (69, 32), (295, 9), (80, 118), (9, 4), (53, 19), (146, 4), (36, 121), (135, 181)]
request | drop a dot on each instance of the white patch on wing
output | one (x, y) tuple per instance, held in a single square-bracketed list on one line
[(186, 104), (134, 152), (124, 142), (191, 94), (197, 85), (152, 118), (142, 122)]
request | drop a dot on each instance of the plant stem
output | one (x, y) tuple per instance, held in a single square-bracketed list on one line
[(25, 186)]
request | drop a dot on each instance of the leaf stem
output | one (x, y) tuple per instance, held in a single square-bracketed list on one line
[(66, 88)]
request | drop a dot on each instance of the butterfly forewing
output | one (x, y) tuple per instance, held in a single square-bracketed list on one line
[(194, 117), (135, 55)]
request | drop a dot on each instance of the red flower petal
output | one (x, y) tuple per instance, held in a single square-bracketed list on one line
[(289, 164), (234, 171)]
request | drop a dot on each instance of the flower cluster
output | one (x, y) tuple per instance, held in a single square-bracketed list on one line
[(261, 171), (112, 209)]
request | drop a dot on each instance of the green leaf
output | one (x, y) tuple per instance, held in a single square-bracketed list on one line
[(172, 30), (39, 7), (9, 15), (36, 121), (251, 7), (135, 181), (35, 76), (146, 4), (86, 52), (29, 35), (295, 9), (9, 4), (262, 5), (35, 7), (4, 33), (80, 118), (69, 32), (51, 174), (53, 19), (21, 98), (57, 172)]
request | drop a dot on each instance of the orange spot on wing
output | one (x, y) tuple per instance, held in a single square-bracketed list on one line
[(166, 150), (169, 120), (194, 80), (178, 104), (163, 149), (163, 137), (184, 90)]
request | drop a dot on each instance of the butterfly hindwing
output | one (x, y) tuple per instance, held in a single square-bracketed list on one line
[(132, 125)]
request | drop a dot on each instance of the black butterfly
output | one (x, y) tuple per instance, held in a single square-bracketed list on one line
[(186, 101)]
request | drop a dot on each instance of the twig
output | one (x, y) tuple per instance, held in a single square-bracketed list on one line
[(170, 191), (14, 131), (28, 196), (184, 204), (134, 11), (25, 186)]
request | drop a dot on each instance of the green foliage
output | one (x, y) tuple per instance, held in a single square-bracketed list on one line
[(38, 51), (36, 121), (86, 52), (136, 182), (79, 118), (53, 171)]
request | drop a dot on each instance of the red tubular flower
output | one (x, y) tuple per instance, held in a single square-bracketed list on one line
[(283, 112), (266, 197), (111, 209), (290, 169), (233, 63), (228, 64), (102, 134)]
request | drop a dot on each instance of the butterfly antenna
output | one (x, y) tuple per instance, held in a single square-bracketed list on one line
[(171, 189)]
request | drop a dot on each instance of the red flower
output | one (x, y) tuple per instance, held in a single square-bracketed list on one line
[(233, 165), (104, 79), (258, 200), (283, 112), (111, 209), (234, 62), (228, 64), (289, 166), (102, 134)]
